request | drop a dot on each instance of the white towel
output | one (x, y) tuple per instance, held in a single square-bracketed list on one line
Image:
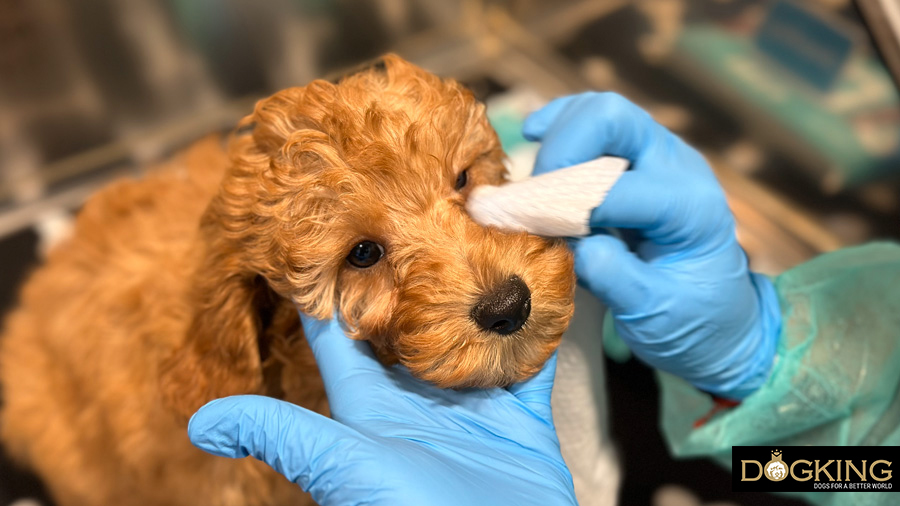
[(555, 204)]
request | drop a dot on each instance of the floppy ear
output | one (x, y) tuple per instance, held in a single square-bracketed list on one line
[(242, 261), (271, 220), (232, 308), (220, 352)]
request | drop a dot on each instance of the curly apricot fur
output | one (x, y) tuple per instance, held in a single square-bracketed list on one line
[(181, 287)]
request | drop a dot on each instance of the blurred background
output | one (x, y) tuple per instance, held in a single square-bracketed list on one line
[(793, 102)]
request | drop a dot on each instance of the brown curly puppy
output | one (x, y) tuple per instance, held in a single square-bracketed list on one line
[(344, 198)]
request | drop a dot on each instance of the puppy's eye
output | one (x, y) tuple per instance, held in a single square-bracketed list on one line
[(365, 254), (461, 180)]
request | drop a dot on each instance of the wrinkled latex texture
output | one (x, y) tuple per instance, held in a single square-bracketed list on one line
[(679, 289), (395, 440), (836, 373)]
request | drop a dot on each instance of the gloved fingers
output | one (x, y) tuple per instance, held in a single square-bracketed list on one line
[(638, 200), (537, 123), (535, 391), (606, 267), (346, 365), (672, 214), (590, 125), (296, 442)]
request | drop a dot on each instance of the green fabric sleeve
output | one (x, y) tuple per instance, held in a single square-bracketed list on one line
[(836, 373)]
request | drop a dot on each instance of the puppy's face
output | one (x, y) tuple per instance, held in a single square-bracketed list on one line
[(351, 197)]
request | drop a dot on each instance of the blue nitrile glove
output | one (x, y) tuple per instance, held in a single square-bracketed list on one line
[(395, 440), (683, 300)]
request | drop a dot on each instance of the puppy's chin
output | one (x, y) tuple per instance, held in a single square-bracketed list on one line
[(464, 356)]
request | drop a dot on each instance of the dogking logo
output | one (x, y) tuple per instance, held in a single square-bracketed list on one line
[(775, 468), (814, 468)]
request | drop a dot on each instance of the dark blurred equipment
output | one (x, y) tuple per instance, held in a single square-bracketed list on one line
[(804, 83), (809, 46), (883, 19)]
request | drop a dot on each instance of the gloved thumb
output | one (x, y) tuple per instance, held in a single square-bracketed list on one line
[(301, 445), (535, 391), (606, 267)]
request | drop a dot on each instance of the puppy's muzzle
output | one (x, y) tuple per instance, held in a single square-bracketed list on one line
[(505, 309)]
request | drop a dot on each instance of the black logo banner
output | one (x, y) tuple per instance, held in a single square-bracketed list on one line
[(814, 469)]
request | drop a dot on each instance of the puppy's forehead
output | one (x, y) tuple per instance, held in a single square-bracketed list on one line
[(399, 130), (407, 125), (398, 101), (438, 126)]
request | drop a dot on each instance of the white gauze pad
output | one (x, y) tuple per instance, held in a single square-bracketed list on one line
[(555, 204)]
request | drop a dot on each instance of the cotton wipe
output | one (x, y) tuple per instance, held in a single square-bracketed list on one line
[(555, 204)]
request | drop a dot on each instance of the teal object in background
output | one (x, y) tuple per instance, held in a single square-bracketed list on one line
[(508, 124), (851, 126), (805, 44)]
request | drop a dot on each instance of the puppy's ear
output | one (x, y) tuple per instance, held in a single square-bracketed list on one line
[(264, 233), (220, 354)]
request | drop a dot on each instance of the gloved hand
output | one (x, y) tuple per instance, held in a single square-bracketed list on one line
[(395, 440), (683, 299)]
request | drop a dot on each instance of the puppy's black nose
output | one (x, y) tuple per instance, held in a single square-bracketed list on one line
[(504, 310)]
